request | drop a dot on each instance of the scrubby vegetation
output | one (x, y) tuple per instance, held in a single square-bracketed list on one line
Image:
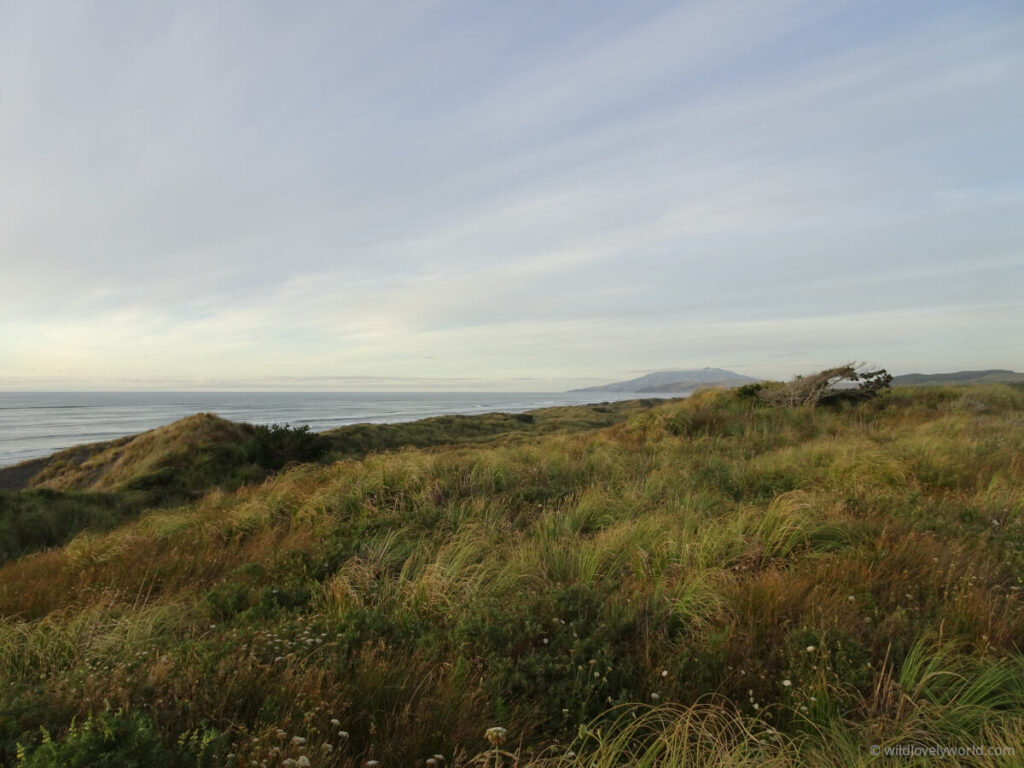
[(361, 439), (710, 582), (178, 460), (37, 519), (95, 487)]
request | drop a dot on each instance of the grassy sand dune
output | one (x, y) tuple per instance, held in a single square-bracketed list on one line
[(708, 582), (97, 486), (128, 461)]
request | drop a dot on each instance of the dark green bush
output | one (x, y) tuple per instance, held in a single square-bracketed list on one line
[(276, 445), (751, 391)]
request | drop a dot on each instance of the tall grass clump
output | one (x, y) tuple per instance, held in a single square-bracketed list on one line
[(708, 581)]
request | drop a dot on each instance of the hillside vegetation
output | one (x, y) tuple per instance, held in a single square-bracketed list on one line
[(94, 487), (188, 456), (708, 582)]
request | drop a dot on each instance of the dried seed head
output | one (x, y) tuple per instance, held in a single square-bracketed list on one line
[(496, 735)]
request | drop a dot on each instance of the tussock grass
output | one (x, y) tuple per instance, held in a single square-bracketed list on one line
[(112, 466), (774, 586)]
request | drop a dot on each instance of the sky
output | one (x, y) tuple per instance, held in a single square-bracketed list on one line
[(516, 196)]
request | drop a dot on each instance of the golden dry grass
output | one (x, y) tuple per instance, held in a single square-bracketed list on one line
[(689, 557)]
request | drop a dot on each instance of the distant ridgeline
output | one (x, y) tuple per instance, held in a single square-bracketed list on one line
[(994, 376), (675, 381), (687, 381)]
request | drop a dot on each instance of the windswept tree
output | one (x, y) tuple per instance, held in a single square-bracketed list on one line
[(848, 382)]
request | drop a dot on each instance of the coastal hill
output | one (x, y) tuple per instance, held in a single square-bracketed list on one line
[(687, 381), (203, 451), (134, 461), (678, 381), (994, 376), (47, 501)]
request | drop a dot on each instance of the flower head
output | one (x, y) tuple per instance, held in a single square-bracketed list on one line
[(496, 735)]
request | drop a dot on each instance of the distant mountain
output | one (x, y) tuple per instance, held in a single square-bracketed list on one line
[(959, 377), (675, 381)]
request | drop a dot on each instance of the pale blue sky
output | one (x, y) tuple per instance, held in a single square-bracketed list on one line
[(525, 195)]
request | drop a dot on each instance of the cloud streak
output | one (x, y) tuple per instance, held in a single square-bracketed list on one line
[(444, 191)]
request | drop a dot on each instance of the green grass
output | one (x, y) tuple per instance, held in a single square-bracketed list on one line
[(701, 582), (359, 440), (179, 460), (37, 519), (94, 488)]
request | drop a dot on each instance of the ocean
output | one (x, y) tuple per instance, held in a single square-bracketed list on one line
[(34, 424)]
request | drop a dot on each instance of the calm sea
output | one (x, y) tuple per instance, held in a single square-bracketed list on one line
[(35, 424)]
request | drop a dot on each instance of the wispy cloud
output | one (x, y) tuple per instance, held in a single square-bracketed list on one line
[(448, 191)]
